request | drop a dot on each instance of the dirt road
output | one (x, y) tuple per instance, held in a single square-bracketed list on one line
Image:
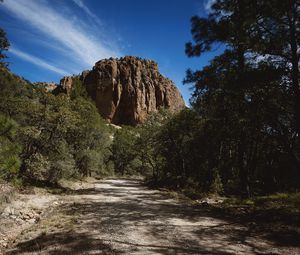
[(124, 217)]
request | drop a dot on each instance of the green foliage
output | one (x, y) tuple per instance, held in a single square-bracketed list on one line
[(123, 150), (60, 136), (134, 151), (147, 142), (90, 138), (216, 185), (241, 135), (4, 45), (78, 90), (9, 150)]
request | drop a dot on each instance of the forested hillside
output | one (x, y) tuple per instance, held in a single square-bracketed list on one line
[(46, 137), (114, 161), (240, 135)]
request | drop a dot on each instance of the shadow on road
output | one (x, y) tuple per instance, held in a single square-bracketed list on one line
[(124, 217)]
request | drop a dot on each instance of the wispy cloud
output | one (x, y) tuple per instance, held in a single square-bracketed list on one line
[(82, 47), (37, 61), (208, 4), (94, 18)]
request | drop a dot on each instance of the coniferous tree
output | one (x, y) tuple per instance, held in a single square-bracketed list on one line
[(4, 45)]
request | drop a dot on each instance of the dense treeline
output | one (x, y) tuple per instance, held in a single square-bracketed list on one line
[(45, 137), (248, 97), (241, 134)]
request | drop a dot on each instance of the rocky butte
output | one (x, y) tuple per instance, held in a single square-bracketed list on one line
[(127, 90)]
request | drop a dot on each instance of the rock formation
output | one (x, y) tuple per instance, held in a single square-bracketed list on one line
[(48, 86), (66, 84), (128, 89)]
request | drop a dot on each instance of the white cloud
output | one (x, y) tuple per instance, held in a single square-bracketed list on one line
[(208, 4), (37, 61), (82, 46), (94, 18)]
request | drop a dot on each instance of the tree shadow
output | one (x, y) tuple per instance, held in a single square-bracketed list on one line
[(177, 227), (63, 243)]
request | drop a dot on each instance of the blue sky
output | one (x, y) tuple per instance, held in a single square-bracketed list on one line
[(53, 38)]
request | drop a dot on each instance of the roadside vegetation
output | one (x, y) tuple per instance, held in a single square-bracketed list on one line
[(45, 137), (239, 137)]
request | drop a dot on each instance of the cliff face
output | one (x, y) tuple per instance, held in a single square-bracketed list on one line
[(66, 84), (48, 86), (128, 89)]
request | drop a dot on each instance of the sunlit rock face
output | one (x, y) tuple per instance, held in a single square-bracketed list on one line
[(66, 84), (48, 86), (128, 89)]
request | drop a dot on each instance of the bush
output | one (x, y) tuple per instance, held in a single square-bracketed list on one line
[(9, 150)]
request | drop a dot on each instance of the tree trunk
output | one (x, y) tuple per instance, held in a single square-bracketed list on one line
[(295, 76), (295, 67), (243, 170), (22, 170)]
